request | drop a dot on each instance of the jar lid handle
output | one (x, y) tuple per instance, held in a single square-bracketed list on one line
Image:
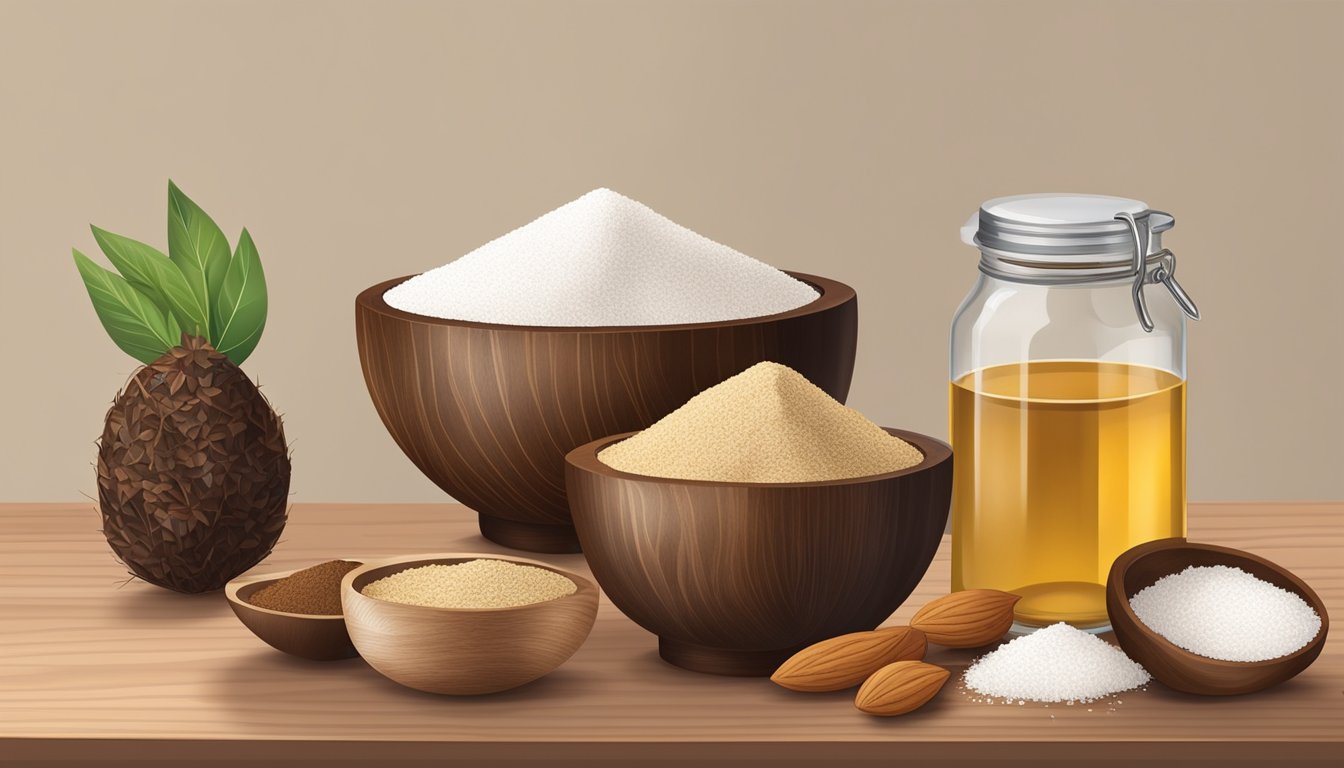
[(1163, 272), (970, 228)]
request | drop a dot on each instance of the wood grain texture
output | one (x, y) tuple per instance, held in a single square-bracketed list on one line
[(1142, 566), (734, 578), (319, 638), (465, 652), (488, 412), (90, 667)]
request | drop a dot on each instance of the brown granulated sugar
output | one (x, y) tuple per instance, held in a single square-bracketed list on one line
[(768, 424), (471, 584), (315, 591)]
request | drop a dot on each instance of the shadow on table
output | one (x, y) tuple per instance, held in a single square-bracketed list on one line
[(142, 603), (271, 693), (1284, 694)]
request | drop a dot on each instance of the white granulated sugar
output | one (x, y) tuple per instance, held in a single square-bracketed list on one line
[(1226, 613), (1057, 663), (603, 259)]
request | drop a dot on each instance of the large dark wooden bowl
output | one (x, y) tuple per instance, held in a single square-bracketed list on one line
[(1175, 667), (734, 578), (488, 412)]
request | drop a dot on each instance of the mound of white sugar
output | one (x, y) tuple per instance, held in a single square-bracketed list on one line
[(603, 259), (1057, 663), (1226, 613)]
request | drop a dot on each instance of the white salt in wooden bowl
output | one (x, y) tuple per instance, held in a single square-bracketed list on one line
[(487, 412), (1176, 667)]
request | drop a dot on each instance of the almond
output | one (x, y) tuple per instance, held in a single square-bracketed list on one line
[(899, 688), (967, 619), (847, 660)]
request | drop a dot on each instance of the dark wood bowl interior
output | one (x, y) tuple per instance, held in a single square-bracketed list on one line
[(310, 636), (734, 578), (488, 412), (1175, 667)]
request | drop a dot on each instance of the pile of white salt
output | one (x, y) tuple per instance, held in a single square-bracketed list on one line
[(1225, 613), (1054, 664), (601, 260)]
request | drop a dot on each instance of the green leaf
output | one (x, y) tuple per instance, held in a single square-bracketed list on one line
[(155, 276), (198, 247), (135, 323), (241, 307)]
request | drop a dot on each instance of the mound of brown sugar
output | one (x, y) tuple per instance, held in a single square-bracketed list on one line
[(768, 424), (315, 591)]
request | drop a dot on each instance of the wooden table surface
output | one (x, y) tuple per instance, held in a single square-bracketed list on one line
[(95, 668)]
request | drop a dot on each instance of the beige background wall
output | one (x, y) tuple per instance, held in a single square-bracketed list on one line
[(359, 141)]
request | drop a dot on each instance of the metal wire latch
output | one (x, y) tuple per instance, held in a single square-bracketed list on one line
[(1163, 271)]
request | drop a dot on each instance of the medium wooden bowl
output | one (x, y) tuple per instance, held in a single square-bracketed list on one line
[(466, 651), (312, 636), (488, 412), (1176, 667), (734, 578)]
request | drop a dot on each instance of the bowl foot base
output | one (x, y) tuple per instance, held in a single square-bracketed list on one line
[(551, 539), (721, 661)]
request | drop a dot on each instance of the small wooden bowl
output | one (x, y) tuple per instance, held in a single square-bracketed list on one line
[(1175, 667), (465, 651), (487, 412), (734, 578), (311, 636)]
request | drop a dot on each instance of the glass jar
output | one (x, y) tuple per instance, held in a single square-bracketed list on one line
[(1067, 401)]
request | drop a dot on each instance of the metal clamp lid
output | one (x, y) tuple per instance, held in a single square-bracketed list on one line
[(1058, 238), (1163, 272)]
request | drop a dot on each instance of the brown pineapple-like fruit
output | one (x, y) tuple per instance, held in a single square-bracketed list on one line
[(193, 471)]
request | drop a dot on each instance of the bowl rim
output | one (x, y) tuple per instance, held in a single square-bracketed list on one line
[(239, 583), (584, 458), (831, 294), (586, 589), (1116, 583)]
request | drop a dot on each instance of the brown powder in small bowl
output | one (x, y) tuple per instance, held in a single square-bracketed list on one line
[(315, 591)]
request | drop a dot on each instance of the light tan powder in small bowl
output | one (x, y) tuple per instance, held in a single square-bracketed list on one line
[(768, 424), (472, 584)]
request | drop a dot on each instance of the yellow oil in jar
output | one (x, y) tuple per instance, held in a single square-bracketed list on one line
[(1059, 467)]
